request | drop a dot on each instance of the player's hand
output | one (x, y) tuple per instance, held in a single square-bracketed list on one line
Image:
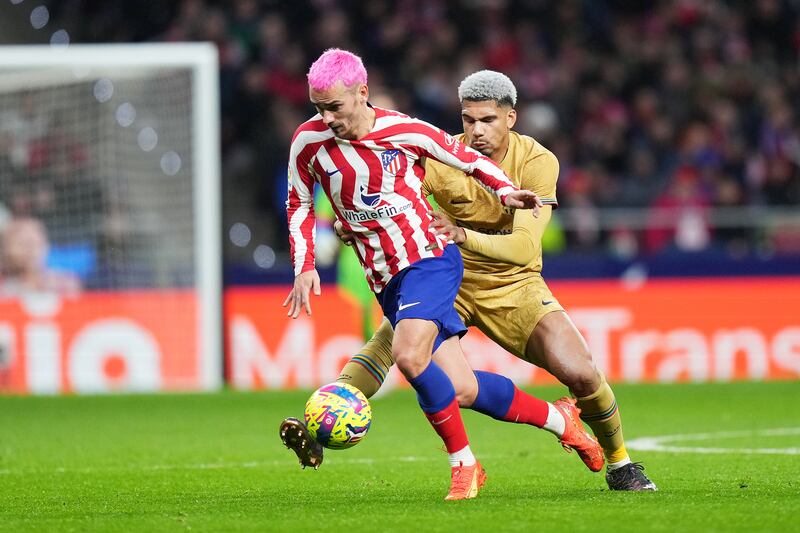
[(299, 297), (345, 236), (523, 199), (444, 226)]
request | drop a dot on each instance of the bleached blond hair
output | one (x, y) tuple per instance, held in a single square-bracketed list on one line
[(488, 85)]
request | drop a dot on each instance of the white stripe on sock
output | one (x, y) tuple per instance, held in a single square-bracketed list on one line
[(463, 456), (619, 464), (555, 423)]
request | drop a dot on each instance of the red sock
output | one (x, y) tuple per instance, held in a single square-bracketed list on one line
[(448, 424), (527, 409)]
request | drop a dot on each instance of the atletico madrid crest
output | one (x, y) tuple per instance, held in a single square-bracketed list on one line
[(390, 159)]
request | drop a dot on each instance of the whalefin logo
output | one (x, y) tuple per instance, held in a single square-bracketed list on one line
[(391, 161), (378, 208), (371, 200)]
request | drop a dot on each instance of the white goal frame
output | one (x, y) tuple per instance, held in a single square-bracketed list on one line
[(202, 60)]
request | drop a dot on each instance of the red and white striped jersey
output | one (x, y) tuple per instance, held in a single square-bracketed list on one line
[(375, 187)]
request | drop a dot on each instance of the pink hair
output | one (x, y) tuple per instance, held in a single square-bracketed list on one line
[(336, 65)]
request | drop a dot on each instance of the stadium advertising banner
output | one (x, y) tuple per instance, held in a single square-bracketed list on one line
[(99, 342), (661, 331)]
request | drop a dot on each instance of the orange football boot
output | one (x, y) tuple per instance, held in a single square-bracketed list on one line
[(576, 438), (466, 481)]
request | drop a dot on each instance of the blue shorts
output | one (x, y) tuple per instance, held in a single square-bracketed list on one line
[(427, 290)]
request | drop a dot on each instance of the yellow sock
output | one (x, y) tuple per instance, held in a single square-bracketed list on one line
[(367, 370), (599, 410)]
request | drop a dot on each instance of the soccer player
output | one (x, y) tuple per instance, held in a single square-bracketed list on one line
[(369, 163), (503, 293)]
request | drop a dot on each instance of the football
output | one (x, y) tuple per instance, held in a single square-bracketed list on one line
[(338, 415)]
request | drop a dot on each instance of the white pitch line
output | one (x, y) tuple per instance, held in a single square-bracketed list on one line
[(659, 444), (208, 466)]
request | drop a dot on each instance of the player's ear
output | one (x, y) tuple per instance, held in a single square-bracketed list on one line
[(511, 118), (363, 93)]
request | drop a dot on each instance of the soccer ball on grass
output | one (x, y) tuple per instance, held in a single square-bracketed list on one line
[(338, 415)]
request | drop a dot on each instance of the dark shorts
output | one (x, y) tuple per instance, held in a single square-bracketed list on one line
[(427, 290)]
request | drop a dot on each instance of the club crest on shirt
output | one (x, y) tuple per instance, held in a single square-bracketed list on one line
[(390, 160)]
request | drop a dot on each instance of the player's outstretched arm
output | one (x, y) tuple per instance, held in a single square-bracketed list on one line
[(523, 199), (436, 144), (444, 226), (518, 248), (299, 297)]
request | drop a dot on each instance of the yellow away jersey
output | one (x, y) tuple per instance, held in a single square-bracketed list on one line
[(529, 165)]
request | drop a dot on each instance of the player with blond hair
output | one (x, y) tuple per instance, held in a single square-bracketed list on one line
[(502, 292)]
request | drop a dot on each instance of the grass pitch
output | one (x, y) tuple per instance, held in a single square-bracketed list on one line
[(215, 463)]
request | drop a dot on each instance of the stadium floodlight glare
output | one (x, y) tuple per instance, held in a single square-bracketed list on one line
[(124, 138)]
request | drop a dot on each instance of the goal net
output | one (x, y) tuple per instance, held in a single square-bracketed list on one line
[(109, 218)]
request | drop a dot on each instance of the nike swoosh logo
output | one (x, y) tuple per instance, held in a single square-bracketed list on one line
[(406, 306), (547, 302), (435, 423), (332, 172)]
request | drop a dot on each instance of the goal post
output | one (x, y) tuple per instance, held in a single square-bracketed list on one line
[(124, 139)]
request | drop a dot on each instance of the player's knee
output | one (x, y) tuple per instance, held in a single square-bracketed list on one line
[(583, 379), (410, 362), (466, 396), (466, 387)]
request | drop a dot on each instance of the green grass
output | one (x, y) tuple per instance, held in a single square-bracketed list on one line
[(215, 463)]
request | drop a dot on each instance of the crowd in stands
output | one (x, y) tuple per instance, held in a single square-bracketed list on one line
[(675, 106)]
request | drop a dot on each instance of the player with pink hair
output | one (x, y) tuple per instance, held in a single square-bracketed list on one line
[(336, 65), (370, 163)]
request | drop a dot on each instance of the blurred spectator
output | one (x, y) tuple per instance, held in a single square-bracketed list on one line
[(642, 182), (624, 93), (679, 216), (729, 193), (24, 248)]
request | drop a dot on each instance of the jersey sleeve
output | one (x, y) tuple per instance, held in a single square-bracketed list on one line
[(430, 177), (518, 248), (523, 244), (429, 183), (434, 143), (300, 209), (540, 175)]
